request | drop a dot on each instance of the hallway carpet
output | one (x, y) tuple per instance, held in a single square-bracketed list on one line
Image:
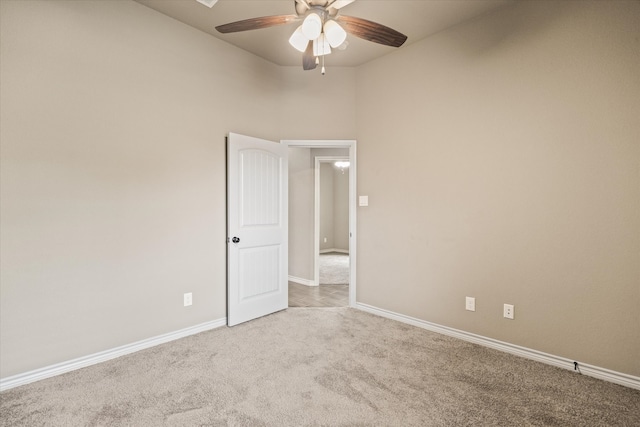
[(334, 269)]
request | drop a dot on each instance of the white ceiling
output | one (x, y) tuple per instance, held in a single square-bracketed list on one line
[(415, 18)]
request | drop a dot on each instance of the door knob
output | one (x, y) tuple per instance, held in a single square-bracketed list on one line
[(236, 240)]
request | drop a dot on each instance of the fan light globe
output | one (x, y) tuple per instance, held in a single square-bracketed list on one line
[(321, 46), (312, 26), (334, 33), (298, 40)]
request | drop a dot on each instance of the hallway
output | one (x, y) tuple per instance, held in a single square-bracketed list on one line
[(318, 296)]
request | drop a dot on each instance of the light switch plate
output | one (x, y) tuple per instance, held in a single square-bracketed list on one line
[(363, 200)]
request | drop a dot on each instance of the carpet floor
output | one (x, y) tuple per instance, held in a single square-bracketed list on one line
[(334, 269), (320, 367)]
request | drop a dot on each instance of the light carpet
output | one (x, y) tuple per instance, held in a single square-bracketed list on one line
[(320, 367), (334, 269)]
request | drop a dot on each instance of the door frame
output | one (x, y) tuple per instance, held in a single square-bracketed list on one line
[(351, 145)]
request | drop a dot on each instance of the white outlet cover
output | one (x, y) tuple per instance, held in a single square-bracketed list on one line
[(470, 304), (188, 299), (363, 200), (509, 311)]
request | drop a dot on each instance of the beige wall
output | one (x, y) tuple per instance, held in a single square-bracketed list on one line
[(501, 159), (341, 209), (113, 178), (326, 206), (314, 106), (334, 208), (301, 213)]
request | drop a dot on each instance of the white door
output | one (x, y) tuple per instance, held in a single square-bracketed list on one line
[(257, 228)]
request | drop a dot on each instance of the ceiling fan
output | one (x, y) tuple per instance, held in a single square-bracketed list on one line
[(322, 28)]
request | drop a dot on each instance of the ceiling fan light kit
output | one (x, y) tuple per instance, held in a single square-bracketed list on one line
[(312, 26), (298, 40), (322, 29), (334, 33), (321, 46)]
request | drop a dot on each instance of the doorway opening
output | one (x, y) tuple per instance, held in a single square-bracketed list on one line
[(322, 223), (332, 229)]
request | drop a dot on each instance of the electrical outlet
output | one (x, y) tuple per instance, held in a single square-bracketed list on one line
[(470, 304), (508, 311), (325, 240), (188, 299)]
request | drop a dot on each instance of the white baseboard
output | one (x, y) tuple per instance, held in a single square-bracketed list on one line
[(103, 356), (340, 251), (561, 362), (300, 281)]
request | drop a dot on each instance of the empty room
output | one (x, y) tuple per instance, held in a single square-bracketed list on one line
[(154, 157)]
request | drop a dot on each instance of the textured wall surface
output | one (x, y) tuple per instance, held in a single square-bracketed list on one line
[(514, 140), (113, 174)]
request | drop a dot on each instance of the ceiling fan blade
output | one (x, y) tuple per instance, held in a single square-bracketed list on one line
[(256, 23), (308, 59), (334, 6), (304, 3), (302, 6), (339, 4), (371, 31)]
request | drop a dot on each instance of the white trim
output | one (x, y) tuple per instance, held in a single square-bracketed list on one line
[(103, 356), (351, 145), (340, 251), (301, 281), (550, 359)]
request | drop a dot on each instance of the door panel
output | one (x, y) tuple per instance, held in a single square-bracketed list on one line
[(257, 228), (260, 177), (259, 273)]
